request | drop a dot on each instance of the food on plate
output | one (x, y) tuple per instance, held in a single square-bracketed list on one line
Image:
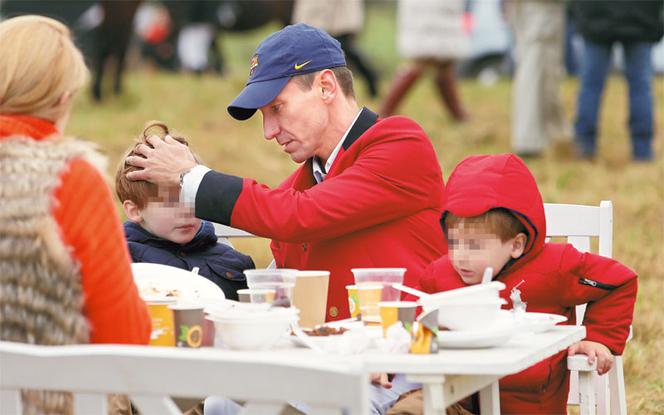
[(324, 330), (152, 291)]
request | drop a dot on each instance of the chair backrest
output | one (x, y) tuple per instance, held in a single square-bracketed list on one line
[(224, 231), (150, 375), (579, 224)]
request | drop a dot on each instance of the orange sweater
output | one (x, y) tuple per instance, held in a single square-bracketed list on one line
[(89, 225)]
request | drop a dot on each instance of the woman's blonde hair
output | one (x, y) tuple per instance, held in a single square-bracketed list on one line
[(39, 64)]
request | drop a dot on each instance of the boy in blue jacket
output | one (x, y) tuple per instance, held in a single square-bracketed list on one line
[(162, 230)]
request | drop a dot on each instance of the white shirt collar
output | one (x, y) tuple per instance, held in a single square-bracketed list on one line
[(319, 173)]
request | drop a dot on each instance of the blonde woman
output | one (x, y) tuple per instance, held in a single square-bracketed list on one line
[(65, 276)]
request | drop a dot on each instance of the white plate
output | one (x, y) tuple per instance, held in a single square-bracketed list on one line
[(479, 339), (321, 341), (159, 280), (359, 333), (538, 322)]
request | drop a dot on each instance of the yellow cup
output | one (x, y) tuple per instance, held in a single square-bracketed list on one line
[(353, 302), (393, 311), (369, 296), (163, 328)]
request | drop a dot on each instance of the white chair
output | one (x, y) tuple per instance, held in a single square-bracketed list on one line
[(224, 232), (580, 223), (150, 375)]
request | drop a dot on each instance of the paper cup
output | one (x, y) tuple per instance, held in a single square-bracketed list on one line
[(353, 302), (256, 295), (188, 321), (369, 296), (393, 311), (310, 296), (162, 322), (384, 276), (208, 332)]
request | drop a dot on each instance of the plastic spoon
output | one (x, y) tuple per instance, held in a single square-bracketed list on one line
[(302, 336), (409, 290), (487, 276)]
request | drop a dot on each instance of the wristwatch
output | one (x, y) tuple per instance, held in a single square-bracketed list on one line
[(182, 177)]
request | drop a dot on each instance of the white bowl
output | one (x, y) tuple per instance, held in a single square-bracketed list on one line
[(473, 293), (251, 331), (469, 315)]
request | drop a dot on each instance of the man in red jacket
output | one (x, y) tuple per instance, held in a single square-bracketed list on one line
[(368, 193), (494, 216)]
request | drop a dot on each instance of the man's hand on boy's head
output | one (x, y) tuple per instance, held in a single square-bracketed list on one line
[(594, 351), (161, 161)]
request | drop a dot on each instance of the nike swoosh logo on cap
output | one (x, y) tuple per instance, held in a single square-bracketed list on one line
[(302, 65)]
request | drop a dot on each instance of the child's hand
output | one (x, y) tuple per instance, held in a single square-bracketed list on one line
[(594, 351), (380, 379)]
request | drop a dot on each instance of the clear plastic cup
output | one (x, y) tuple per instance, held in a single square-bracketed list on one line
[(281, 280), (385, 276)]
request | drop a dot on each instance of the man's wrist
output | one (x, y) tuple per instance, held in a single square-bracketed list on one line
[(184, 173), (191, 179)]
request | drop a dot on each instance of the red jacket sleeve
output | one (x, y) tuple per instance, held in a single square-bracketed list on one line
[(608, 287), (90, 225), (440, 276), (390, 179)]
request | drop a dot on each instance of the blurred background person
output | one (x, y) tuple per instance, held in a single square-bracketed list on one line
[(538, 28), (430, 35), (636, 25), (343, 19), (65, 276)]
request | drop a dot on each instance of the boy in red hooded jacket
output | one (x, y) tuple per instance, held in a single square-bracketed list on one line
[(494, 217)]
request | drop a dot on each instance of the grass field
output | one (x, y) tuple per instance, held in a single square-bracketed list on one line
[(195, 106)]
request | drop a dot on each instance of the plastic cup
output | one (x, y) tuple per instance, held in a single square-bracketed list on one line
[(369, 296), (188, 321), (384, 276), (256, 295), (310, 296), (393, 311), (353, 302), (281, 280), (162, 321)]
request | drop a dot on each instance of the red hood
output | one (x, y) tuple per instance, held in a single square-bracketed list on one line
[(481, 183)]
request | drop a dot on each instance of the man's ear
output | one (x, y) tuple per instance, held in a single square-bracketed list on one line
[(327, 83), (132, 211), (519, 245)]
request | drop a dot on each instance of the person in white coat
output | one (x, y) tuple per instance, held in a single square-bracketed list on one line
[(537, 114), (430, 36), (343, 19)]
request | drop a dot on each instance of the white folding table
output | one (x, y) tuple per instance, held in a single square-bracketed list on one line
[(269, 378)]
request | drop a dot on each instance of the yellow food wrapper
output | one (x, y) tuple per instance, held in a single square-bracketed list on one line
[(425, 336)]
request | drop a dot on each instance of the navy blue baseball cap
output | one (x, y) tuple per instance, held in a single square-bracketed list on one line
[(294, 50)]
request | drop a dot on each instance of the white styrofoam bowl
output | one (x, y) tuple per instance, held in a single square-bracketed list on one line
[(469, 315), (251, 331)]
